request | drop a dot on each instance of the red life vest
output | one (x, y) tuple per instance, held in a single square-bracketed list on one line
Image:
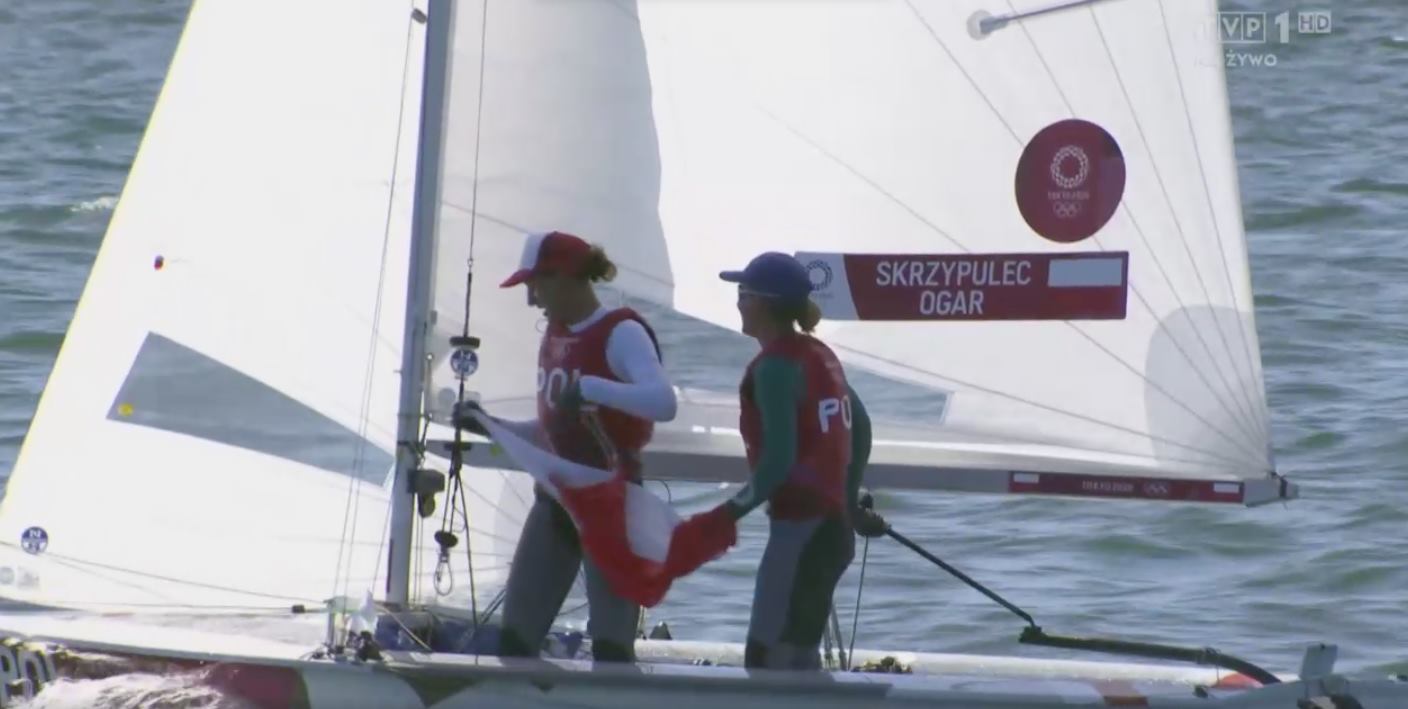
[(568, 356), (816, 484)]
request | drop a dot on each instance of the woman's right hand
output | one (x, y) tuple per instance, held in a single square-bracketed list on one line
[(464, 417)]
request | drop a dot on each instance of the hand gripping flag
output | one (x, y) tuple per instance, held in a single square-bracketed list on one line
[(636, 539)]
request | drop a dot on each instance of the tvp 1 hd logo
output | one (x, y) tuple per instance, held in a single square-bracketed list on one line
[(1249, 39)]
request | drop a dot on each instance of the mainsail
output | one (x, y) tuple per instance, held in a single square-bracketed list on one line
[(219, 426), (686, 135)]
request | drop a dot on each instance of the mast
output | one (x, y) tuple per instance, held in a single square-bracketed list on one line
[(419, 294)]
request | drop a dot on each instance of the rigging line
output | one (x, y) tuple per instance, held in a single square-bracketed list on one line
[(1258, 422), (494, 537), (867, 180), (457, 452), (353, 503), (508, 483), (482, 567), (1207, 193), (473, 592), (457, 455), (1162, 390), (491, 504), (110, 579), (80, 564), (574, 609), (933, 34), (386, 522), (1045, 407), (272, 330), (101, 608), (498, 600), (517, 228), (855, 618), (392, 614), (456, 462), (1218, 431), (492, 554), (478, 133), (1241, 416), (959, 65), (987, 438)]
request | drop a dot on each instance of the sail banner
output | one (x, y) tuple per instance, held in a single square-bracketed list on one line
[(1072, 286), (635, 538)]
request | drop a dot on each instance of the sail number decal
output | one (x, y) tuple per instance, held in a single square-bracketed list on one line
[(1067, 286), (25, 669)]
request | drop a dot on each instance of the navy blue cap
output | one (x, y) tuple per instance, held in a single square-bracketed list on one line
[(775, 275)]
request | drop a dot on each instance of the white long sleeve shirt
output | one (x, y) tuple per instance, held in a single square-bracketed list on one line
[(644, 389)]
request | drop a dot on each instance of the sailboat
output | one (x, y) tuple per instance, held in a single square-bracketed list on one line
[(1026, 211)]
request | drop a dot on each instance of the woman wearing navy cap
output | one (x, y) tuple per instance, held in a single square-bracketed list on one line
[(807, 437)]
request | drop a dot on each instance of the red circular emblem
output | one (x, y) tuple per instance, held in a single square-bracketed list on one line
[(1070, 180)]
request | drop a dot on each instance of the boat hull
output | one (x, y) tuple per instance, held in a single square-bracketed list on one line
[(43, 655)]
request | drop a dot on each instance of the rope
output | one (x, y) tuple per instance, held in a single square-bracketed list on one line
[(456, 497), (860, 589), (469, 555), (346, 538)]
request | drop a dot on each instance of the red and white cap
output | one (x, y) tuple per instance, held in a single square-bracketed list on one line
[(553, 252)]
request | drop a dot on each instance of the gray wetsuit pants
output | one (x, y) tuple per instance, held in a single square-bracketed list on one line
[(802, 564), (544, 567)]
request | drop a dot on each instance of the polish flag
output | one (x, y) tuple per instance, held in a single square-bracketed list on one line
[(635, 538)]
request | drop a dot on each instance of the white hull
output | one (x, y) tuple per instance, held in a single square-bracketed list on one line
[(47, 649)]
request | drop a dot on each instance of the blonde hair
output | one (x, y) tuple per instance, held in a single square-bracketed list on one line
[(598, 268), (811, 316), (804, 316)]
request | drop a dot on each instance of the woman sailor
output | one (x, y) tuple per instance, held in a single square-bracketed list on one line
[(589, 354), (807, 437)]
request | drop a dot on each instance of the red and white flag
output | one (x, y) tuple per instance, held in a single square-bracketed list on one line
[(635, 538)]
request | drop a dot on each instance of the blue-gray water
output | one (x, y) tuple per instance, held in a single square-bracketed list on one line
[(1320, 143)]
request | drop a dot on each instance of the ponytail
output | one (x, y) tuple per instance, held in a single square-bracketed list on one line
[(810, 317), (598, 268), (803, 316)]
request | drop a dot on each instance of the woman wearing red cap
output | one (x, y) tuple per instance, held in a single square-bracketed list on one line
[(807, 437), (589, 354)]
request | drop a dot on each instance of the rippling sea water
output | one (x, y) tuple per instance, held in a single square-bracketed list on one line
[(1320, 137)]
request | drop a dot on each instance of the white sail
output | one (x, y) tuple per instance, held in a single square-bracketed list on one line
[(885, 127), (216, 432), (548, 127), (888, 127)]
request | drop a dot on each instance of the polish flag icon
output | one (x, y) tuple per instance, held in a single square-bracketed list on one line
[(637, 541)]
